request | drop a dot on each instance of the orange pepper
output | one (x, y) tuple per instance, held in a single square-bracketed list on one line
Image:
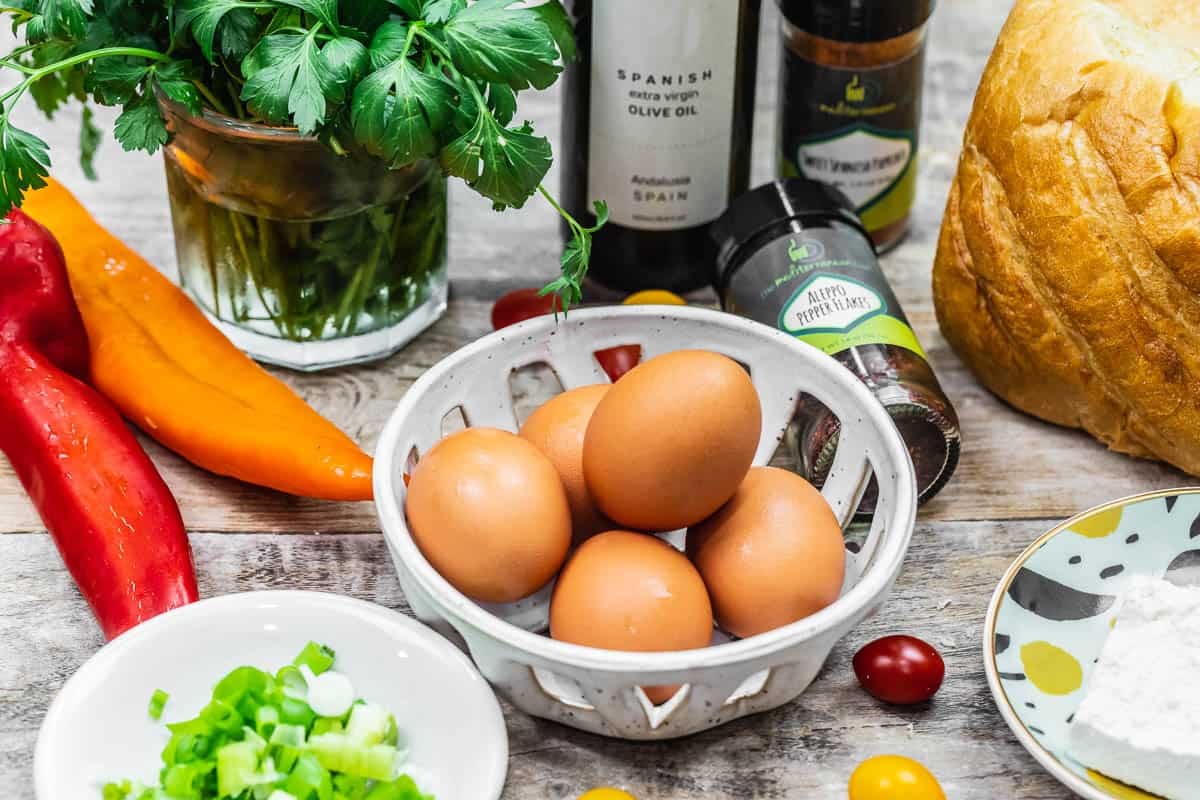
[(168, 369)]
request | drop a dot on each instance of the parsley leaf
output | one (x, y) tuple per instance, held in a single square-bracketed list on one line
[(559, 24), (292, 78), (347, 60), (363, 15), (502, 100), (140, 126), (24, 163), (61, 19), (53, 90), (398, 110), (489, 42), (435, 12), (203, 17), (237, 33), (175, 81), (113, 82), (504, 165), (90, 138), (324, 10), (574, 261), (388, 42)]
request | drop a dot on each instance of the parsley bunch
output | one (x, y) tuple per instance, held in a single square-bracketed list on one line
[(404, 80)]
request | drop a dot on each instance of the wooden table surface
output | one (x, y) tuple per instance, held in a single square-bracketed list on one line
[(1017, 477)]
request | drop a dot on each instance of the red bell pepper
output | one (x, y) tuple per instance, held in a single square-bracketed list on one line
[(112, 516)]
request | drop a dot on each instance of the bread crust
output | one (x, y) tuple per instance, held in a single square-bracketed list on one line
[(1067, 274)]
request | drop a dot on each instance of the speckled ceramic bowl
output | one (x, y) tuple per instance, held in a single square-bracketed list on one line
[(1049, 617)]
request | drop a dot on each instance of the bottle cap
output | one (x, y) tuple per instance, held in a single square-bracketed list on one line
[(771, 204), (857, 20)]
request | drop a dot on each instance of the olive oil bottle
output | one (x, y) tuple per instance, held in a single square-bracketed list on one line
[(657, 123)]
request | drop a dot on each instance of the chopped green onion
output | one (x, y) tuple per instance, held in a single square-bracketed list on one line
[(316, 657), (327, 725), (369, 724), (309, 780), (157, 701), (187, 780), (292, 682), (294, 711), (289, 736), (266, 720), (259, 739), (403, 788), (117, 791), (339, 753)]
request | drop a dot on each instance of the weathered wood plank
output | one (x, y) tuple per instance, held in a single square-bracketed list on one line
[(807, 749)]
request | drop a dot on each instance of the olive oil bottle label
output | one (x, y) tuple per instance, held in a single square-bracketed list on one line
[(663, 78), (824, 288), (855, 129)]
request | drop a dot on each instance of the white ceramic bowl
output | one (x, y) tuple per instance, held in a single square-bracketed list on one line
[(596, 690), (98, 728)]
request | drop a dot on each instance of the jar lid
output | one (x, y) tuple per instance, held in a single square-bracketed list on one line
[(857, 20), (772, 203)]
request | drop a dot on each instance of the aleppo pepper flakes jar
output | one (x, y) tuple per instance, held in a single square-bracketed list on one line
[(792, 254), (850, 103)]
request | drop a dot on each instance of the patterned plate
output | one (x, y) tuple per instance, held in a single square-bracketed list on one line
[(1054, 607)]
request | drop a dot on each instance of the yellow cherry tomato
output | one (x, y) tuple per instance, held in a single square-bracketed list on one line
[(653, 297), (894, 778), (606, 794)]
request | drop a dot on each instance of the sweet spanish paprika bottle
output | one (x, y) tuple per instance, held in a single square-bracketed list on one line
[(850, 103)]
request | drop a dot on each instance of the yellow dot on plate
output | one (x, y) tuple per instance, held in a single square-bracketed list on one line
[(1117, 789), (654, 297), (1050, 668), (606, 794), (1100, 524)]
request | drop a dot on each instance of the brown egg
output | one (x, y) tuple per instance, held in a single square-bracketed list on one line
[(557, 429), (631, 591), (671, 441), (490, 513), (772, 555)]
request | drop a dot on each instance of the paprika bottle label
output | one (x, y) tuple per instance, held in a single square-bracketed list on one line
[(823, 288), (663, 81), (855, 128)]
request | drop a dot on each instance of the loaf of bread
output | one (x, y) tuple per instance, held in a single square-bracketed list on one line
[(1068, 268)]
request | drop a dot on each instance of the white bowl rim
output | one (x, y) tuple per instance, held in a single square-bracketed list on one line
[(489, 716), (992, 671), (886, 563)]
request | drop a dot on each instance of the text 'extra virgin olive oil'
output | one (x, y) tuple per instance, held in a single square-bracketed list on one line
[(659, 109)]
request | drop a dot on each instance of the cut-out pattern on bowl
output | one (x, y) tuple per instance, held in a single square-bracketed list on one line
[(532, 385), (1053, 610)]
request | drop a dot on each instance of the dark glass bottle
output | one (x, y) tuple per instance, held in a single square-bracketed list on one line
[(794, 255), (850, 103), (657, 122)]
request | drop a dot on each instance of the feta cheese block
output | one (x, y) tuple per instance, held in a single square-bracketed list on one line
[(1140, 719)]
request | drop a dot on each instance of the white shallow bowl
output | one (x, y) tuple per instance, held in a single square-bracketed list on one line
[(597, 690), (1052, 612), (98, 728)]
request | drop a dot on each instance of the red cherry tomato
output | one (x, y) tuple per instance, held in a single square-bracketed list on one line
[(520, 305), (616, 361), (900, 669)]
